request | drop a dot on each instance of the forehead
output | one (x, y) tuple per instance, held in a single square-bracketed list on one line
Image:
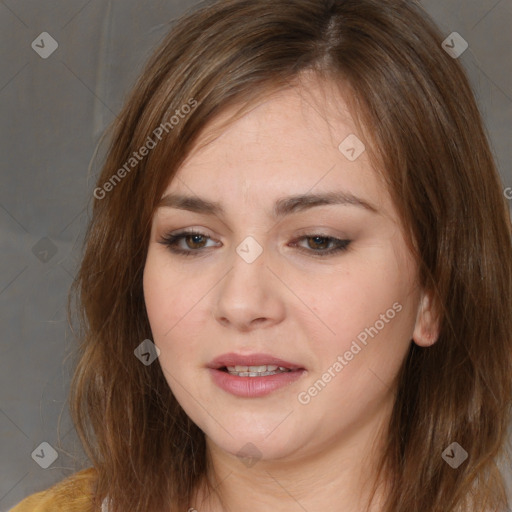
[(310, 108), (286, 143)]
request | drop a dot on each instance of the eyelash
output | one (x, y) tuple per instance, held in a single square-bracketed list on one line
[(171, 240)]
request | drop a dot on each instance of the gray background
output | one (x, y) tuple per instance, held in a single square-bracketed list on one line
[(54, 111)]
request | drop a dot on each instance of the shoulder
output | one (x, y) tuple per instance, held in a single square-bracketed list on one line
[(73, 494)]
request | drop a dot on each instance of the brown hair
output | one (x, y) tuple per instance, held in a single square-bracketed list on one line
[(422, 128)]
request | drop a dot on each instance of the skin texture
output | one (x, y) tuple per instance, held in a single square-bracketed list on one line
[(289, 303)]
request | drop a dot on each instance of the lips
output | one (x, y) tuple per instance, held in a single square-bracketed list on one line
[(253, 375), (232, 359)]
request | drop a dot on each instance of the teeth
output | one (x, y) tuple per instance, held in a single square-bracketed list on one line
[(256, 371)]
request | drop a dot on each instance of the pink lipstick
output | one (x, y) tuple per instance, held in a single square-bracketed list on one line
[(253, 375)]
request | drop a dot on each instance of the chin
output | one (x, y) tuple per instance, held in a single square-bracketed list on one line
[(247, 442)]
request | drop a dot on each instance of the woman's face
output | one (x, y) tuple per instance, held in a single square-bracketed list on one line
[(280, 277)]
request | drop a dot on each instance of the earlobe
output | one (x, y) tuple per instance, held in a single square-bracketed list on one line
[(426, 330)]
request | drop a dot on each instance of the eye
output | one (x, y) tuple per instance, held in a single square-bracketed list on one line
[(318, 243), (195, 243), (194, 240)]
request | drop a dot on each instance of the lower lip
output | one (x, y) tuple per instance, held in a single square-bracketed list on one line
[(253, 387)]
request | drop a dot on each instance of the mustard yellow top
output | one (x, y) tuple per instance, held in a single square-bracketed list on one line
[(73, 494)]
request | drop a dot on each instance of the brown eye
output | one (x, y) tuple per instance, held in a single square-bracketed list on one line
[(319, 242), (195, 241), (320, 245)]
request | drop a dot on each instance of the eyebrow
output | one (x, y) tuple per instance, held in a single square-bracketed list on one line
[(282, 207)]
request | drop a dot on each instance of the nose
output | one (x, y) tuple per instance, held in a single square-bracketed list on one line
[(249, 296)]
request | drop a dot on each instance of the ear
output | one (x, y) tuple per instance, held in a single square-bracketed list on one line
[(426, 329)]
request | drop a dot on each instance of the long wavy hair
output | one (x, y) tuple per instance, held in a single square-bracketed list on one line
[(423, 131)]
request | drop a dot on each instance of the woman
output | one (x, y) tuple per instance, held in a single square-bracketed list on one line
[(296, 286)]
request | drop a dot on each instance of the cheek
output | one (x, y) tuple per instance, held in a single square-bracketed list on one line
[(167, 296), (162, 304), (172, 305), (159, 302), (356, 364), (367, 312)]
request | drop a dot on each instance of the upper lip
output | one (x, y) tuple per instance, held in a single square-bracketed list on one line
[(233, 359)]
